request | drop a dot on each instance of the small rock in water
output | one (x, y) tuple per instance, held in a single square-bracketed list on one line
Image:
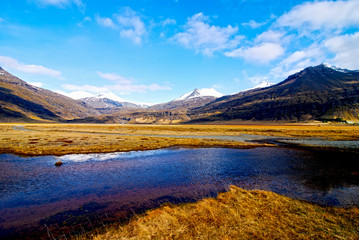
[(58, 163)]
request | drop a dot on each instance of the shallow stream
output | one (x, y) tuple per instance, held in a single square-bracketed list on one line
[(38, 198)]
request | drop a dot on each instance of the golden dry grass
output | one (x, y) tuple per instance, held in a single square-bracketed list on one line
[(331, 132), (59, 139), (240, 214)]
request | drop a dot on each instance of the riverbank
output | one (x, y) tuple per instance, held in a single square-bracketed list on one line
[(239, 214), (61, 139)]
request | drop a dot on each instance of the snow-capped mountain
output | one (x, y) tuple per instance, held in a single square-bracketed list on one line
[(263, 84), (109, 101), (204, 92), (193, 99), (108, 95)]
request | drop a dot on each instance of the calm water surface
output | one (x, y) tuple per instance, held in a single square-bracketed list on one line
[(93, 189)]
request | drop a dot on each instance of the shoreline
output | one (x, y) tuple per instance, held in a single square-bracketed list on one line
[(237, 214)]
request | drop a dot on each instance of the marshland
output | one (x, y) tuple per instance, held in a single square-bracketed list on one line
[(178, 181)]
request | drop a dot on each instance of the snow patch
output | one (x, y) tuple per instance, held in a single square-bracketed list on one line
[(204, 92), (111, 96), (263, 84), (335, 68)]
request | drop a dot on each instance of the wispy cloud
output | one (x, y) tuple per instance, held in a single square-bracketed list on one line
[(11, 63), (272, 36), (105, 22), (131, 25), (85, 87), (115, 77), (59, 3), (1, 20), (168, 21), (85, 20), (253, 24), (122, 85), (199, 35)]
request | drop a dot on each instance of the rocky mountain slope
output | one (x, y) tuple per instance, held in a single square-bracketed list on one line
[(20, 101), (320, 92)]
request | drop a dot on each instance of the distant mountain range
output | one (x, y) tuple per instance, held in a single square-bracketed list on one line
[(107, 103), (322, 92)]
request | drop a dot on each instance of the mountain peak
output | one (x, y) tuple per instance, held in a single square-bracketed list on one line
[(263, 84), (204, 92), (110, 96)]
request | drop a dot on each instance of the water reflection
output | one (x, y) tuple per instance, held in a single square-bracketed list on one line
[(34, 192)]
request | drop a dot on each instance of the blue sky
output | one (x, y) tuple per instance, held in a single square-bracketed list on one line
[(155, 50)]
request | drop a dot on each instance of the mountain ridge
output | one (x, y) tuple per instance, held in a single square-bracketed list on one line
[(21, 101), (313, 93)]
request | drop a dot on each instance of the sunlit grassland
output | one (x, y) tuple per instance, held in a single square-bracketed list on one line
[(58, 139), (239, 214)]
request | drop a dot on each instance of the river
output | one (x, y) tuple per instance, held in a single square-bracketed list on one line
[(89, 190)]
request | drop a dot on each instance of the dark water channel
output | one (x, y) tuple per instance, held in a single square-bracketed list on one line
[(37, 198)]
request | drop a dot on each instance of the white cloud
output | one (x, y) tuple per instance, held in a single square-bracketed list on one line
[(254, 24), (346, 50), (85, 87), (262, 53), (120, 88), (59, 3), (76, 94), (132, 27), (105, 22), (139, 88), (36, 84), (169, 21), (258, 79), (115, 77), (199, 35), (121, 85), (270, 36), (11, 63), (297, 61), (295, 57), (322, 15)]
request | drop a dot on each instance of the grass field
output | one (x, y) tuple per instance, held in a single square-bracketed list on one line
[(59, 139), (239, 214)]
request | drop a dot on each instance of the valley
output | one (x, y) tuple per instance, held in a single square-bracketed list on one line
[(320, 93), (179, 120), (79, 168)]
